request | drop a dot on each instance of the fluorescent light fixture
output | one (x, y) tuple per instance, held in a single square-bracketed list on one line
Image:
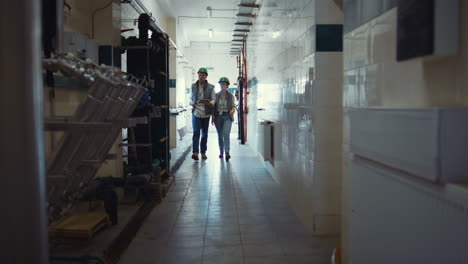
[(275, 34), (210, 33)]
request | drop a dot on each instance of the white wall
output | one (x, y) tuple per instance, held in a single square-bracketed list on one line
[(223, 65), (300, 90)]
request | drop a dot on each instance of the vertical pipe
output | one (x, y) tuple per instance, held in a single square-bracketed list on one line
[(23, 223), (167, 156), (246, 87), (58, 49), (59, 26), (241, 109)]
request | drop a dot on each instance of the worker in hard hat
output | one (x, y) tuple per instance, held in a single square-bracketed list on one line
[(202, 101), (223, 116)]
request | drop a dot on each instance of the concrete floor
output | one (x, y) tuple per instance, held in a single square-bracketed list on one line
[(226, 212)]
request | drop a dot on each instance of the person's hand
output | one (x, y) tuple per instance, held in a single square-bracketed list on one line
[(193, 104), (231, 112), (213, 121)]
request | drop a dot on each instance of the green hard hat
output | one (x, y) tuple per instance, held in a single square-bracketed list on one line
[(224, 79), (204, 70)]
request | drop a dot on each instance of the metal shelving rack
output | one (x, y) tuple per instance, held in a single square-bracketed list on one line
[(148, 59)]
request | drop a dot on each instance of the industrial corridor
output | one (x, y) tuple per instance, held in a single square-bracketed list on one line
[(234, 131)]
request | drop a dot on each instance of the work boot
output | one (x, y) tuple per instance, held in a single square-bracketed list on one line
[(195, 156), (227, 156), (221, 155), (203, 156)]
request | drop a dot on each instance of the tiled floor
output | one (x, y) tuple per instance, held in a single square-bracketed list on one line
[(226, 212)]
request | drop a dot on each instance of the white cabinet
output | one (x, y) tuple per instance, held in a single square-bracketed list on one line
[(428, 143)]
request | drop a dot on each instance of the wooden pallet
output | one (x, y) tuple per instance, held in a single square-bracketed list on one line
[(80, 226), (158, 191)]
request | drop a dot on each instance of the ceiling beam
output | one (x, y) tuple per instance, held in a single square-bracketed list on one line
[(239, 35), (339, 3), (243, 23), (249, 5), (246, 15), (238, 40), (242, 30)]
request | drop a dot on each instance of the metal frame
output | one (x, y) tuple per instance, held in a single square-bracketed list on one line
[(90, 132)]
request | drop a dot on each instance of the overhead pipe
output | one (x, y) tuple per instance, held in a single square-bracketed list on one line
[(140, 8)]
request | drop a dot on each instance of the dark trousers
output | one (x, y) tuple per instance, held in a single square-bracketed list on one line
[(200, 124)]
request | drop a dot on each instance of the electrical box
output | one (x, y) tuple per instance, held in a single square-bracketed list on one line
[(80, 46), (427, 28)]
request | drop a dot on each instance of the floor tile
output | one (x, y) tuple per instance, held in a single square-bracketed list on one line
[(262, 250), (225, 221), (258, 238), (222, 251), (223, 260), (220, 240), (223, 230)]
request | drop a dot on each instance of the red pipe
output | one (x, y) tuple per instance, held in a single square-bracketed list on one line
[(244, 60)]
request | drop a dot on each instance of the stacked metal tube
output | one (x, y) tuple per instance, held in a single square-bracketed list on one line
[(111, 99)]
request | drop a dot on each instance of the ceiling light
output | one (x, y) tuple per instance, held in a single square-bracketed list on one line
[(209, 11), (210, 33), (275, 34)]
